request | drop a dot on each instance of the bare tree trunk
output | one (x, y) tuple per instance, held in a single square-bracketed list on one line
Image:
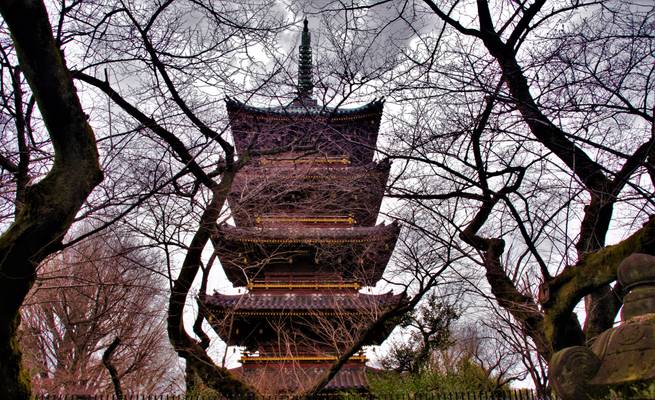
[(215, 377), (106, 361), (51, 204)]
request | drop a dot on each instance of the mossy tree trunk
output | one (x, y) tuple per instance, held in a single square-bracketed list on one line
[(49, 206)]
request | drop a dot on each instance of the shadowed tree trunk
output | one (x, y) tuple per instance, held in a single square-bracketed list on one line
[(49, 206)]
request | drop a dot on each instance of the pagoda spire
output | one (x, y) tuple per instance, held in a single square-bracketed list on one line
[(305, 79)]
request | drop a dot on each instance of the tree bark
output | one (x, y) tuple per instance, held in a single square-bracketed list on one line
[(50, 205)]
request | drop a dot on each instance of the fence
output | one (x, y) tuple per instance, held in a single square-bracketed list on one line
[(518, 394)]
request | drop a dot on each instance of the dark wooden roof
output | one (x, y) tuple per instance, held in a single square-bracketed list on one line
[(358, 254), (301, 127), (255, 320), (317, 301), (297, 109)]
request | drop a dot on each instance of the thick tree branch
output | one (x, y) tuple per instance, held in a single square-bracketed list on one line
[(217, 378), (450, 21), (521, 306), (524, 23), (593, 271), (176, 144), (161, 68), (589, 172), (202, 314), (8, 165)]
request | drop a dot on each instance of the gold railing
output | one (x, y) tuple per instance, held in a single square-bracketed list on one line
[(308, 160), (314, 220), (303, 285), (313, 241), (308, 314), (311, 313), (360, 358)]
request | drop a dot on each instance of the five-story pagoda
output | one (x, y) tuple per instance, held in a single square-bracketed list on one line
[(304, 241)]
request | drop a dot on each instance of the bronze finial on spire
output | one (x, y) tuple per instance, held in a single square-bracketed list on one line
[(305, 81)]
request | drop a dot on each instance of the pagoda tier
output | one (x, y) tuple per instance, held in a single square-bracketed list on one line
[(290, 375), (295, 191), (301, 127), (309, 320), (297, 254)]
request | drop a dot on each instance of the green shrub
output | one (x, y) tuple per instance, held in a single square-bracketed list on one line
[(467, 377)]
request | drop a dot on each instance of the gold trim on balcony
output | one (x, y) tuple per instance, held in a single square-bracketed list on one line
[(312, 241), (313, 313), (303, 285), (360, 358), (338, 219), (310, 160)]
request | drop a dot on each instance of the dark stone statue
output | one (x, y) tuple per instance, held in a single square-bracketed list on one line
[(620, 356)]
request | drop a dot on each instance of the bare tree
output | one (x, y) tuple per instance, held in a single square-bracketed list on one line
[(528, 128), (90, 295)]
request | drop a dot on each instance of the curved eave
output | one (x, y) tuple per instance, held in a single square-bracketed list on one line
[(256, 302), (252, 316), (330, 132), (314, 236), (359, 253), (296, 111)]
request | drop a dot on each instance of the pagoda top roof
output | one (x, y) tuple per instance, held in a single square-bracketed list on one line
[(303, 107), (317, 301)]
